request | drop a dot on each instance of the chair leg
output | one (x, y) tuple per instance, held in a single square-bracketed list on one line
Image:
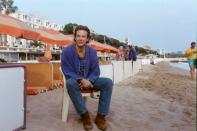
[(65, 106)]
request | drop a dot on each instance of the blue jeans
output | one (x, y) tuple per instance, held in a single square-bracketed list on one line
[(105, 86)]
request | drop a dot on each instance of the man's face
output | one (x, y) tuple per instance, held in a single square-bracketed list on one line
[(193, 45), (81, 38)]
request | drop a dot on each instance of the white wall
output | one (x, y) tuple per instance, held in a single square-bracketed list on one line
[(137, 66), (120, 70), (127, 69), (107, 71), (12, 98)]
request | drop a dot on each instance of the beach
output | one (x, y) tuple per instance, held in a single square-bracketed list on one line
[(158, 98)]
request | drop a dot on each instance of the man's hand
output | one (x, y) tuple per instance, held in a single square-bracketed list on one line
[(85, 84)]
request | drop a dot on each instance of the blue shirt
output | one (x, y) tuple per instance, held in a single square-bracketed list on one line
[(82, 66), (132, 54)]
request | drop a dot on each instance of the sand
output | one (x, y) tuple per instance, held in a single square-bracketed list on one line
[(159, 98)]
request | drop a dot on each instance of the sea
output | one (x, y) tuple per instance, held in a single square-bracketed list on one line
[(181, 65)]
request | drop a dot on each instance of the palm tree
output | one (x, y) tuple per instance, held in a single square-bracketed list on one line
[(7, 7)]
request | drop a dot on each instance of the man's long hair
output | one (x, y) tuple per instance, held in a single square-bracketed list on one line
[(81, 27)]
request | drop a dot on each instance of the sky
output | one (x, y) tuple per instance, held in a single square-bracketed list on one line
[(168, 24)]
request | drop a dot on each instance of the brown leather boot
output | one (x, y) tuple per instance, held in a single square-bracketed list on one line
[(100, 122), (87, 124)]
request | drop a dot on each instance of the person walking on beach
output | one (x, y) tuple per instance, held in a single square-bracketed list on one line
[(132, 53), (80, 66), (191, 54)]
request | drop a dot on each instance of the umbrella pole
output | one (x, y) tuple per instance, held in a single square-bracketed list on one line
[(18, 57), (26, 56), (1, 41)]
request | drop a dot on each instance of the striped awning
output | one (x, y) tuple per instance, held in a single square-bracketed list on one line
[(50, 36), (14, 27)]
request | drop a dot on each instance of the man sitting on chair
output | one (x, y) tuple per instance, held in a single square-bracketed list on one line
[(80, 66)]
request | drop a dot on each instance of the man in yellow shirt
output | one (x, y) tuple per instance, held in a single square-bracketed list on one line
[(191, 55)]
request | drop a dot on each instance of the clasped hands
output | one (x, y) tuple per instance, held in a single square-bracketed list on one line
[(85, 84)]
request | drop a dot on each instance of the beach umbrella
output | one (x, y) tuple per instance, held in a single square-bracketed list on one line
[(103, 47), (15, 27), (51, 36), (112, 49), (47, 53), (99, 46)]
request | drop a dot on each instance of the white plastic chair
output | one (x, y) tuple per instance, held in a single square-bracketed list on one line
[(65, 100)]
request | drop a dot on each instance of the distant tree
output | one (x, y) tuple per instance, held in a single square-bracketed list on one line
[(68, 28), (141, 50), (98, 37), (121, 44), (105, 39), (7, 7), (115, 42), (153, 52), (175, 54)]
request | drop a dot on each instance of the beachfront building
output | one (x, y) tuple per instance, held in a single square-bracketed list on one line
[(13, 49), (161, 51), (35, 22)]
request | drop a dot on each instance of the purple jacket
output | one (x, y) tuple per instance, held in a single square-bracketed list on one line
[(70, 63)]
